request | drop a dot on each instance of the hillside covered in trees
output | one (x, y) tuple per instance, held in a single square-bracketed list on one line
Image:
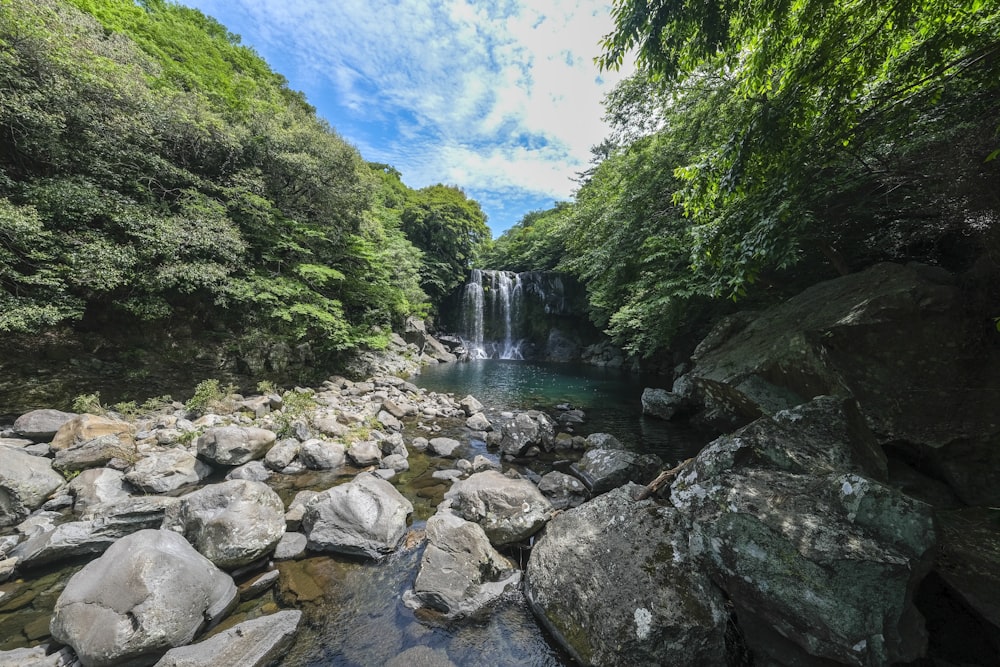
[(765, 145), (155, 175)]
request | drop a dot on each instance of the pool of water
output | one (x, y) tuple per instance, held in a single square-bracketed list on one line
[(609, 397)]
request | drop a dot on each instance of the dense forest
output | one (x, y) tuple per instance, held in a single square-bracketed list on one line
[(763, 145), (156, 173)]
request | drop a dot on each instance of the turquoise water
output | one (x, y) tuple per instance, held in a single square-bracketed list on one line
[(609, 397)]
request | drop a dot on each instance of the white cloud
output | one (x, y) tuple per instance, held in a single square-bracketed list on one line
[(484, 95)]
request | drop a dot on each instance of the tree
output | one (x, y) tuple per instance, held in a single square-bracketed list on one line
[(449, 228)]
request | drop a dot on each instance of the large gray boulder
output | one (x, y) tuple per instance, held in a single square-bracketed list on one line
[(444, 447), (97, 486), (789, 517), (163, 470), (91, 454), (616, 583), (562, 490), (509, 510), (149, 592), (605, 469), (663, 404), (318, 454), (26, 482), (892, 336), (41, 425), (525, 430), (83, 428), (460, 571), (255, 643), (235, 445), (233, 523), (99, 528), (366, 517)]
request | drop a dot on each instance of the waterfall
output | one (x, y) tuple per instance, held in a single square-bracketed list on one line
[(493, 314)]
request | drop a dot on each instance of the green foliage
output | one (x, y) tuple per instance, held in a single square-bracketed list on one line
[(449, 228), (89, 404), (153, 169), (297, 404), (536, 243), (208, 395)]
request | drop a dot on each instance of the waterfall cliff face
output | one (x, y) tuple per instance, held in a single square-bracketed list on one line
[(507, 315), (493, 314)]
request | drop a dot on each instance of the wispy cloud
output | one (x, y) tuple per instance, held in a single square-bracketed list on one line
[(499, 97)]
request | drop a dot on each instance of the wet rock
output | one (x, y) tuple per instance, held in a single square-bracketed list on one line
[(616, 583), (460, 572), (664, 404), (444, 447), (479, 422), (791, 489), (396, 462), (165, 470), (232, 524), (255, 643), (562, 490), (366, 517), (604, 469), (603, 441), (234, 445), (322, 455), (291, 546), (149, 592), (41, 425), (526, 430), (509, 510), (471, 406), (25, 483), (254, 471)]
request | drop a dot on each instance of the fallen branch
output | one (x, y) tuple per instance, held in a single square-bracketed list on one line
[(661, 480)]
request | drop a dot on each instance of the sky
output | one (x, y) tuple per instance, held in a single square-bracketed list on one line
[(498, 97)]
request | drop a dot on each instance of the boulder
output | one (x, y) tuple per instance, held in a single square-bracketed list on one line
[(388, 421), (92, 454), (255, 643), (235, 445), (460, 572), (470, 405), (969, 560), (664, 404), (478, 422), (83, 428), (164, 470), (282, 454), (562, 490), (616, 583), (806, 544), (38, 656), (603, 441), (41, 425), (26, 481), (525, 430), (97, 486), (444, 447), (604, 469), (291, 546), (94, 533), (149, 592), (322, 455), (395, 462), (254, 471), (366, 517), (365, 453), (509, 510), (893, 337), (232, 524)]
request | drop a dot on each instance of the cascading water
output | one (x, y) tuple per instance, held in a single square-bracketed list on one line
[(493, 314)]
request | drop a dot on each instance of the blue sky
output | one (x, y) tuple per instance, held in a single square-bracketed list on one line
[(501, 98)]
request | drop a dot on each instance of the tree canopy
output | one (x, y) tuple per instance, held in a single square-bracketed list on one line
[(152, 169), (764, 141)]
